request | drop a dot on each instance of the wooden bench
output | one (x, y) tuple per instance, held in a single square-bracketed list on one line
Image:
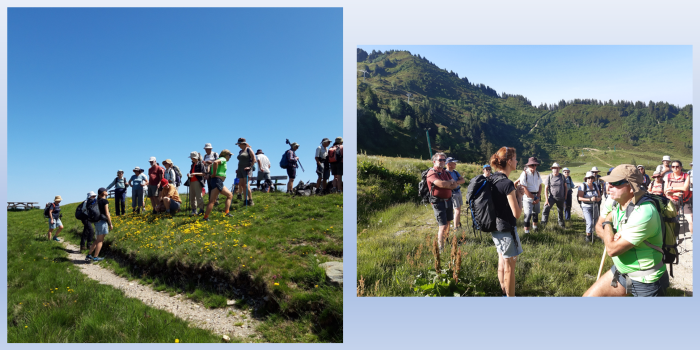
[(22, 205), (273, 178)]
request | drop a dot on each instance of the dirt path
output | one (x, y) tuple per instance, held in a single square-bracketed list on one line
[(596, 157), (220, 321)]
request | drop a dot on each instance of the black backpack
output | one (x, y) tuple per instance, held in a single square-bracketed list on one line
[(47, 210), (79, 213), (93, 212), (481, 204), (423, 191)]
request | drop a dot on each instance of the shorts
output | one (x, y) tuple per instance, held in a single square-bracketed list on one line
[(457, 199), (101, 228), (323, 170), (242, 174), (152, 191), (263, 176), (443, 211), (639, 289), (291, 172), (56, 224), (216, 182), (505, 245), (174, 206), (337, 168)]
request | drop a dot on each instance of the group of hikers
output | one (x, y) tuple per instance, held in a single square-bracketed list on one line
[(615, 208), (162, 183)]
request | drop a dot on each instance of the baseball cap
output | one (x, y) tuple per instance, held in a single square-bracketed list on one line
[(630, 173), (487, 166), (451, 160)]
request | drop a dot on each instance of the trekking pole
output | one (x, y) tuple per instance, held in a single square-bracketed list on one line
[(602, 260), (299, 161), (188, 196), (245, 197)]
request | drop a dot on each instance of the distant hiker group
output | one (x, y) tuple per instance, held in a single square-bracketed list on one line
[(161, 186), (635, 217)]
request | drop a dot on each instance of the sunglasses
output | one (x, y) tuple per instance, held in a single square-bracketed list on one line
[(566, 172), (675, 166), (618, 183), (442, 160)]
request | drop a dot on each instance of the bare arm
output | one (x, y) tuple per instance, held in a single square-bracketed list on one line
[(613, 246), (451, 184), (514, 205), (109, 218)]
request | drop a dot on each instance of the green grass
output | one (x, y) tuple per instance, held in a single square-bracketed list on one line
[(269, 251), (393, 248)]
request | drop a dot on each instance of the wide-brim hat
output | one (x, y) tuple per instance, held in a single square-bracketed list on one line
[(194, 154), (555, 165), (595, 169), (57, 199), (588, 174), (565, 169), (338, 140), (241, 141), (137, 169), (325, 139), (208, 146), (294, 144), (259, 152), (630, 173), (668, 158), (168, 161), (91, 194), (532, 161)]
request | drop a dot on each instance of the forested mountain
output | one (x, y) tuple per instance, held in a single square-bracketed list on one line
[(400, 95)]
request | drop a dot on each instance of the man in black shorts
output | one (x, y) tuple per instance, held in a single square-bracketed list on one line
[(440, 185)]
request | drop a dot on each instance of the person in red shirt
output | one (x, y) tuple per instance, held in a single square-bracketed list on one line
[(440, 185), (155, 174), (677, 188)]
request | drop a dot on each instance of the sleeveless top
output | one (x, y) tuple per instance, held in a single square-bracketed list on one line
[(677, 182), (244, 160), (588, 192), (221, 169), (657, 187)]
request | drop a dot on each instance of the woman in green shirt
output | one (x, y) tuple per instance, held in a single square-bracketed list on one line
[(216, 183)]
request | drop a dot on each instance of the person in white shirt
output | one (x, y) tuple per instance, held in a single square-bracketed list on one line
[(323, 169), (263, 169), (531, 183)]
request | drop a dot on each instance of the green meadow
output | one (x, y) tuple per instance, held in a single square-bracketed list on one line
[(265, 257)]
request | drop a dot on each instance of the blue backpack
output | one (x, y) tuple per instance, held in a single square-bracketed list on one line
[(284, 163)]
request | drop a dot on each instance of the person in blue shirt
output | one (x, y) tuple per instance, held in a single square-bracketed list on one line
[(119, 192), (136, 182)]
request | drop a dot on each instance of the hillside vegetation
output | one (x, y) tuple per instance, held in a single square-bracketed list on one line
[(471, 120)]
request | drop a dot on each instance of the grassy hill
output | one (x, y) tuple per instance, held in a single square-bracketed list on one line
[(470, 120), (266, 257), (395, 236)]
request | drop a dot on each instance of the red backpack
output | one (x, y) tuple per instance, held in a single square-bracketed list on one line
[(335, 154)]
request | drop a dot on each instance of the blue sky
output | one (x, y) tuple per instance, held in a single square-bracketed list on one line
[(97, 90), (550, 73)]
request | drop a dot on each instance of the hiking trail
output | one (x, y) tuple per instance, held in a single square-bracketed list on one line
[(220, 321), (593, 154)]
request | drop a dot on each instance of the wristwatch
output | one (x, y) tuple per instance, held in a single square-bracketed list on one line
[(606, 223)]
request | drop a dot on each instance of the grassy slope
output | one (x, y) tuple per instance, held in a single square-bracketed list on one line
[(269, 250), (393, 247)]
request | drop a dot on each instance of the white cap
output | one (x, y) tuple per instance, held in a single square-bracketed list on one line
[(595, 168), (91, 194), (668, 158), (555, 165), (152, 159), (589, 174), (565, 169)]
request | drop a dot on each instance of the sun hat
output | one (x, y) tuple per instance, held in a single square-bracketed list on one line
[(152, 159), (137, 169), (668, 158), (555, 165), (640, 166), (294, 144), (241, 141), (565, 169), (451, 160), (91, 194), (588, 174), (225, 153), (595, 169), (487, 166), (339, 140), (101, 190), (57, 199), (120, 171), (259, 152), (325, 139), (168, 161), (208, 146), (163, 182), (532, 161), (194, 154), (630, 173)]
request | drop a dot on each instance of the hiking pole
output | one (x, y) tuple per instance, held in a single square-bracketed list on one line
[(245, 197), (299, 161), (602, 260)]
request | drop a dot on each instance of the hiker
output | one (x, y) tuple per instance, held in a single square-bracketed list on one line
[(246, 165), (102, 227), (690, 173), (665, 166), (323, 168), (487, 170), (645, 177), (55, 218), (88, 234), (145, 187), (337, 163), (569, 194), (168, 199), (457, 192), (555, 191), (155, 174), (292, 161), (677, 188), (588, 198), (208, 159), (169, 172), (626, 239), (263, 171), (657, 185), (507, 209), (217, 176), (136, 182), (119, 192), (440, 185), (195, 181), (598, 182), (531, 184)]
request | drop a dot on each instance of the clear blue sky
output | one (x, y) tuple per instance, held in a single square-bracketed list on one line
[(91, 91), (548, 74)]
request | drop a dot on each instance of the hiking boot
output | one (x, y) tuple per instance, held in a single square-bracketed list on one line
[(205, 219), (88, 257), (588, 238), (96, 259), (250, 202), (56, 239), (526, 231), (239, 196), (534, 227), (193, 213), (228, 215)]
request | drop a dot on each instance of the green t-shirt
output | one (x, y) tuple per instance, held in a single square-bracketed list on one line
[(643, 224), (221, 169)]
